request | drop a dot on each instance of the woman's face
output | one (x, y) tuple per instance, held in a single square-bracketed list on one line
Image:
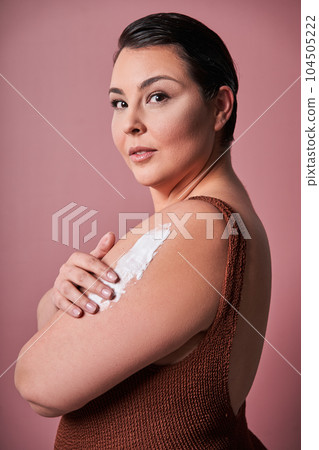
[(157, 106)]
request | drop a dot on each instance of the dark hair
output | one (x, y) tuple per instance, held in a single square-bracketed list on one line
[(206, 55)]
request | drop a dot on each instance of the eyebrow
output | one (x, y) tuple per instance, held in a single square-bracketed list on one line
[(145, 83)]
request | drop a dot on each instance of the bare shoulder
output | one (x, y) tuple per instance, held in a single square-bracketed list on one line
[(195, 231), (192, 256)]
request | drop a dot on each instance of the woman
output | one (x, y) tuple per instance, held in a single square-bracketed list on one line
[(167, 363)]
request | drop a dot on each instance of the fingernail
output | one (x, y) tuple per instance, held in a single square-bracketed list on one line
[(76, 312), (106, 293), (90, 307), (112, 276)]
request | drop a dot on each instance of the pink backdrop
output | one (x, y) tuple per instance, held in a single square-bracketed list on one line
[(58, 55)]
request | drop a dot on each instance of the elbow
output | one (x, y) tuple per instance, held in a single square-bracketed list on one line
[(42, 410), (45, 411), (28, 392)]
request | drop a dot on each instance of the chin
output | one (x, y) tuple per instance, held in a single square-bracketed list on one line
[(146, 178), (156, 176), (156, 180), (146, 181)]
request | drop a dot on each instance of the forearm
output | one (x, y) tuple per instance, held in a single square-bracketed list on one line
[(46, 309)]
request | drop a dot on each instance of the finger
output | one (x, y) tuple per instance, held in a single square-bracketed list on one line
[(72, 301), (66, 306), (104, 246), (87, 282), (91, 264)]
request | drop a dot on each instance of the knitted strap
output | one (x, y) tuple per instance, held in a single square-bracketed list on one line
[(223, 328), (236, 259)]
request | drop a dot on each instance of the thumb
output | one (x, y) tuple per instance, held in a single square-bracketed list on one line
[(104, 246)]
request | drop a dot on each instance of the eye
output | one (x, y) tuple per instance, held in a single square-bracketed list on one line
[(158, 97), (118, 104)]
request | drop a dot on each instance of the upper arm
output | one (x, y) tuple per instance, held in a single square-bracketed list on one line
[(70, 361)]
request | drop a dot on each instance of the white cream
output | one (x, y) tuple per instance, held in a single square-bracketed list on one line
[(134, 262)]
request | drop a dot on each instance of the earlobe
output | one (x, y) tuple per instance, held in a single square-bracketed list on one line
[(224, 102)]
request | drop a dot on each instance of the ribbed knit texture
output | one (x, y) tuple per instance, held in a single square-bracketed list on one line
[(181, 406)]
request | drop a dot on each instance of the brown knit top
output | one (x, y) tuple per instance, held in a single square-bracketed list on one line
[(181, 406)]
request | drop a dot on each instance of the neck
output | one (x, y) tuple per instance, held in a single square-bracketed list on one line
[(214, 173)]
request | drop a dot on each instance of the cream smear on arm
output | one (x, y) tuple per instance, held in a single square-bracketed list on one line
[(134, 262)]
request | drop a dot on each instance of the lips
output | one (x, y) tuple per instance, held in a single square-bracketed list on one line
[(140, 150)]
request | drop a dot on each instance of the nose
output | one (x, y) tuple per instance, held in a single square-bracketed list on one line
[(133, 124)]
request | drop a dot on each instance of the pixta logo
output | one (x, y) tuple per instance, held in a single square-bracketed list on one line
[(67, 221)]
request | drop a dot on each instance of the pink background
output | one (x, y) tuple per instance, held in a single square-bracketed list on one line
[(59, 56)]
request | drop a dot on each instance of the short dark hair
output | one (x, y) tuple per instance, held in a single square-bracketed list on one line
[(207, 57)]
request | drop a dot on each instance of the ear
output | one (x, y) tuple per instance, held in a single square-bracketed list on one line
[(224, 102)]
